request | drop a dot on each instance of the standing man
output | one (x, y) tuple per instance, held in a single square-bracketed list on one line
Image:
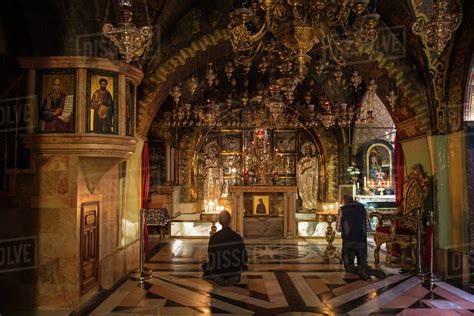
[(354, 223), (103, 105), (226, 254)]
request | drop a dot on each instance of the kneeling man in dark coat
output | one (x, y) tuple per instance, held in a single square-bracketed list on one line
[(353, 224), (226, 254)]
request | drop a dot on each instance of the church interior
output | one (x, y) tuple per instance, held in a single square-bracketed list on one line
[(128, 126)]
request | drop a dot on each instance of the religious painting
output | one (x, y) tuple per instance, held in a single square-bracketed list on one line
[(231, 142), (261, 205), (378, 162), (346, 189), (56, 109), (102, 105), (285, 141), (130, 93), (286, 165)]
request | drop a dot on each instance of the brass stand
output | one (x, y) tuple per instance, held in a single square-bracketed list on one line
[(331, 252), (141, 275), (431, 278)]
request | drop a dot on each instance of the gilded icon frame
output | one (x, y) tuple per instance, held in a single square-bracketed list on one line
[(266, 203)]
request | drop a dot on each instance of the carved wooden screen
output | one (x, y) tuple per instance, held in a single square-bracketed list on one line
[(89, 269)]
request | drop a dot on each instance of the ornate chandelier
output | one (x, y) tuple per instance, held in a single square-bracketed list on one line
[(278, 104), (438, 31), (287, 30), (273, 71), (130, 40)]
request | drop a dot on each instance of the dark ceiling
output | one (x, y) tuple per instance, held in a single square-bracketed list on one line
[(60, 27)]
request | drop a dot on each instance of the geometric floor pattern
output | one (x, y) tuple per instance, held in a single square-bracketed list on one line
[(284, 278)]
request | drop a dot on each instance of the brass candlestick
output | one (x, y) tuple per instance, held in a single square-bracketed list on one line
[(331, 252)]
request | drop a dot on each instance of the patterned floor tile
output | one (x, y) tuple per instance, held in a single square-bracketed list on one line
[(285, 277)]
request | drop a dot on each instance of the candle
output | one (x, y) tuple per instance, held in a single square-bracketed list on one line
[(365, 182)]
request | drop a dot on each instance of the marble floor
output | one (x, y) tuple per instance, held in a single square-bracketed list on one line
[(284, 278)]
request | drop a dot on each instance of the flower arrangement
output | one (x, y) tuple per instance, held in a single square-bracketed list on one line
[(353, 171)]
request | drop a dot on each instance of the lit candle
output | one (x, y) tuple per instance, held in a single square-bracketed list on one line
[(365, 182)]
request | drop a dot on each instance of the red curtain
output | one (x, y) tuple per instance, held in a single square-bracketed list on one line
[(145, 191), (398, 167), (399, 172)]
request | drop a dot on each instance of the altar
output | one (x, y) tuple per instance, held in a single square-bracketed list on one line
[(272, 203)]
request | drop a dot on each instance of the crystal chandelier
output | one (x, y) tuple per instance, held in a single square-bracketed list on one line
[(130, 40), (438, 31), (289, 29)]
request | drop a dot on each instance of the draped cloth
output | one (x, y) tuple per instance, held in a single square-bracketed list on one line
[(399, 172), (144, 198)]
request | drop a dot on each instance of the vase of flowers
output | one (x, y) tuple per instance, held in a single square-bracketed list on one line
[(353, 173)]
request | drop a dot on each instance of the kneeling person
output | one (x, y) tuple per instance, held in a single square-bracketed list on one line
[(353, 224), (227, 256)]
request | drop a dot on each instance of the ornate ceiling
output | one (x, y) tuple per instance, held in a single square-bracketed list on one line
[(192, 30)]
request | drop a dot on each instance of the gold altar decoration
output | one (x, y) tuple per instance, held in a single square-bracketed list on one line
[(130, 40), (260, 162), (438, 30), (404, 222)]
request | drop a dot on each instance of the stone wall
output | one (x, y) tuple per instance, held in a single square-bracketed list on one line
[(44, 205), (46, 202)]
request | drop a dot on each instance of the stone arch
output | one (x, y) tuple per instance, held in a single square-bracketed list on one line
[(405, 77), (154, 89), (409, 83), (417, 123), (456, 99)]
